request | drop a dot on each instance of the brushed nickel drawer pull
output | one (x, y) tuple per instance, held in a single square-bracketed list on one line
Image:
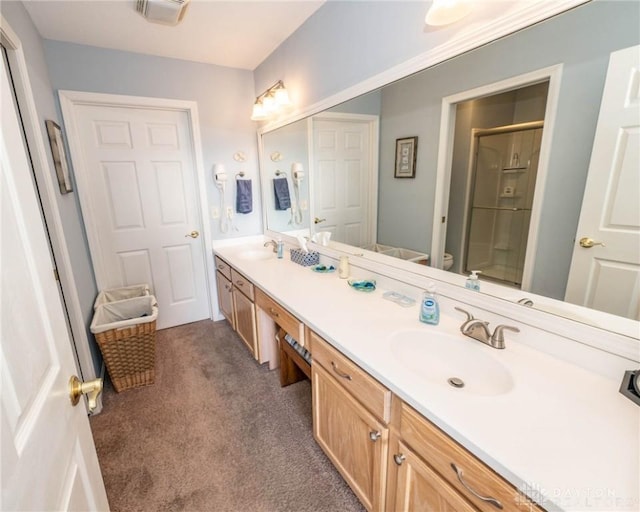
[(493, 501), (222, 267), (339, 373), (274, 312), (239, 282), (398, 458), (228, 287), (374, 435)]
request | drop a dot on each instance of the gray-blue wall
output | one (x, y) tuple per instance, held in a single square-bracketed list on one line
[(224, 96), (581, 40)]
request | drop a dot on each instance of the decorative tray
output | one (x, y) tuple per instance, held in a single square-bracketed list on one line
[(323, 269), (362, 285)]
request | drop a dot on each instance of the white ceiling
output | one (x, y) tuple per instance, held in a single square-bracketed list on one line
[(238, 34)]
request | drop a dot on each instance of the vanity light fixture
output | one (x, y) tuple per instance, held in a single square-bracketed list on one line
[(271, 102), (445, 12)]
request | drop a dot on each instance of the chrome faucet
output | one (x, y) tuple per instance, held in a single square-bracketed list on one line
[(479, 330), (272, 243)]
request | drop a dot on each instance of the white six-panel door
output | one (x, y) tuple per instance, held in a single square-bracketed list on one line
[(607, 277), (138, 185), (48, 459), (344, 180)]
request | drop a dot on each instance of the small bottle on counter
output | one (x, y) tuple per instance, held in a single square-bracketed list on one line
[(429, 307), (343, 267), (280, 248), (473, 283)]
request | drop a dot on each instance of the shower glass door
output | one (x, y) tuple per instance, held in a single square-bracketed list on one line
[(502, 194)]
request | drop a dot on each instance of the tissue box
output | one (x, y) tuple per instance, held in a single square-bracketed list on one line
[(305, 259)]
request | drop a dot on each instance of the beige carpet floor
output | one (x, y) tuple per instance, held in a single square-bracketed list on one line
[(216, 432)]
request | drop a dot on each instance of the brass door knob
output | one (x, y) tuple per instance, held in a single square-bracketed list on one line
[(92, 389), (588, 243), (318, 220), (193, 234)]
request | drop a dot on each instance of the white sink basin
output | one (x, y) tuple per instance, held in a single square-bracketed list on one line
[(256, 254), (439, 357)]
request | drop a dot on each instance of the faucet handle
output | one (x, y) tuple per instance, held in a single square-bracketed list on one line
[(497, 338), (469, 315)]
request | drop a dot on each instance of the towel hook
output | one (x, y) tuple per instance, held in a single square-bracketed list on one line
[(279, 172), (240, 174)]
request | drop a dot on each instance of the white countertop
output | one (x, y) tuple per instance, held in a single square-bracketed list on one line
[(561, 432)]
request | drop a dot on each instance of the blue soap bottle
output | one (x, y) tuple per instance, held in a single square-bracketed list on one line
[(429, 307)]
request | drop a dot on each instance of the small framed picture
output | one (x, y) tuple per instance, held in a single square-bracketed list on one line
[(406, 151), (59, 156)]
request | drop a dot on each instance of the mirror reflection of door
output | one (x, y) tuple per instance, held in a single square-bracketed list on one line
[(345, 177), (493, 176), (605, 270)]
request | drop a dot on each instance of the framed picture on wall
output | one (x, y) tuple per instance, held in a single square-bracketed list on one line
[(59, 156), (406, 150)]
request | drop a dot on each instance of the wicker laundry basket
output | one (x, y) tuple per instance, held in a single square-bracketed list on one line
[(126, 334), (121, 293)]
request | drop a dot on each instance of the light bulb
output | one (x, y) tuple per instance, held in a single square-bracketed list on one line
[(444, 12)]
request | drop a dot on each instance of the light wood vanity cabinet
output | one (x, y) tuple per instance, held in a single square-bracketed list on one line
[(429, 469), (236, 299), (225, 290), (245, 311), (350, 410)]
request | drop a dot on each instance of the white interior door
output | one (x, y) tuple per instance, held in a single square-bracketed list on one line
[(138, 183), (607, 277), (49, 460), (344, 176)]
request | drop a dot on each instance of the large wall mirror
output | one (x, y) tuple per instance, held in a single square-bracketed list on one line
[(500, 191)]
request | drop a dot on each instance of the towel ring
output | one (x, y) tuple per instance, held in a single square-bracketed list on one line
[(240, 174), (278, 173)]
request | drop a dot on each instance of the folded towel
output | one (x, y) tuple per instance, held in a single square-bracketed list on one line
[(244, 197), (281, 189)]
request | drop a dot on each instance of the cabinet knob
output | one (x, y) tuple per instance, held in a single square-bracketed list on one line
[(374, 435), (488, 499), (399, 458)]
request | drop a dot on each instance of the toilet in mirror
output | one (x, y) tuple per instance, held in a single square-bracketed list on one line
[(497, 160)]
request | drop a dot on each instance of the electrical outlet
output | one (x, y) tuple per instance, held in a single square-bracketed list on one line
[(215, 212)]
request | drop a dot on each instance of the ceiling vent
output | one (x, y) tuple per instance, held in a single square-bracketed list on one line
[(168, 12)]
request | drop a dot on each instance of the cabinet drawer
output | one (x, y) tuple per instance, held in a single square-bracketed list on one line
[(281, 316), (242, 283), (442, 452), (373, 395), (223, 267)]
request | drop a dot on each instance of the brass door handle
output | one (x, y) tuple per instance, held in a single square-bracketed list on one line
[(91, 388), (588, 243), (193, 234), (318, 221)]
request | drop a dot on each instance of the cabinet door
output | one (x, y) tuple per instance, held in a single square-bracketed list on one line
[(418, 487), (225, 299), (353, 439), (246, 320)]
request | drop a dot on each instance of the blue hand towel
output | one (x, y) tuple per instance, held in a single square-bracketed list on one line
[(281, 189), (244, 196)]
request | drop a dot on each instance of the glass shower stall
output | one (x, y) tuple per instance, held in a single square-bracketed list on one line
[(499, 211)]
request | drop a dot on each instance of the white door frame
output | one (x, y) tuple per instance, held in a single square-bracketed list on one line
[(374, 140), (44, 173), (69, 101), (445, 157)]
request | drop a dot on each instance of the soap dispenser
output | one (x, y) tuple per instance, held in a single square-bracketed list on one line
[(473, 283)]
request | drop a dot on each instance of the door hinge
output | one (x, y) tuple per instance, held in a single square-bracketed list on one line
[(443, 219), (56, 276)]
